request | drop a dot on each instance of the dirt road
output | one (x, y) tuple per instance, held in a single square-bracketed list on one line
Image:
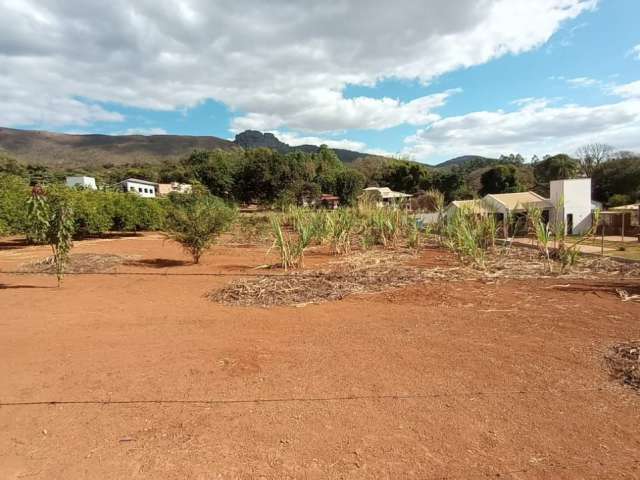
[(439, 380)]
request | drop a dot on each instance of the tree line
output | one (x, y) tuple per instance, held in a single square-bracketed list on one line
[(277, 179)]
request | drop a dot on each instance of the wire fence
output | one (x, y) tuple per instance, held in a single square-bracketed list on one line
[(326, 399)]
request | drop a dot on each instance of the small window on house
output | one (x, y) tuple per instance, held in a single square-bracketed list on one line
[(132, 189), (140, 189), (146, 190)]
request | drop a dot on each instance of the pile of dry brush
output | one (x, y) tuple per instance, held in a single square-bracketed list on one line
[(623, 361), (379, 270)]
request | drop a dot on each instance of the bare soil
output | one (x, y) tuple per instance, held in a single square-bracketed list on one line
[(138, 375)]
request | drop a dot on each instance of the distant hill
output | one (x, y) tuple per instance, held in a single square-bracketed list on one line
[(468, 162), (60, 149), (64, 149), (256, 139)]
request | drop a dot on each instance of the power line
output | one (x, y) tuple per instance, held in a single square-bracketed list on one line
[(633, 464), (418, 396), (604, 280)]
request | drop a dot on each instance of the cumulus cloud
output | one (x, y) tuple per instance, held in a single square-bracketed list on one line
[(635, 52), (333, 112), (295, 139), (537, 127), (628, 90), (277, 64)]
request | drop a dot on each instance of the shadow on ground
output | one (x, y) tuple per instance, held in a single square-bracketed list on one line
[(157, 263)]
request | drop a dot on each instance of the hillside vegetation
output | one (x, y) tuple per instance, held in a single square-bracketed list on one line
[(75, 150), (259, 168)]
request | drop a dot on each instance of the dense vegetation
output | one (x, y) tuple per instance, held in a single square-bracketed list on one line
[(279, 179), (94, 212)]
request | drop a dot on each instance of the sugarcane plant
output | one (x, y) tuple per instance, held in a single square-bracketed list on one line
[(542, 232)]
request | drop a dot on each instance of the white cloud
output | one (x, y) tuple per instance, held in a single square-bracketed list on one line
[(583, 82), (295, 139), (635, 52), (535, 128), (278, 64), (332, 112), (142, 131), (627, 90)]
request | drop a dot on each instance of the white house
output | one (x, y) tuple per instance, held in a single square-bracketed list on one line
[(81, 181), (572, 198), (141, 187), (570, 202), (502, 205), (384, 195)]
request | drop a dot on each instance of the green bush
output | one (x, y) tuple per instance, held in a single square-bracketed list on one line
[(14, 193), (94, 212), (195, 221)]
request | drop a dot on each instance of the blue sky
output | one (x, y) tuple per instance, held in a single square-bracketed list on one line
[(425, 80)]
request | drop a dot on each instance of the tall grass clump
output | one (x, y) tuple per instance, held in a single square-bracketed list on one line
[(291, 245), (342, 225), (568, 252), (434, 202), (542, 232), (470, 235), (384, 226)]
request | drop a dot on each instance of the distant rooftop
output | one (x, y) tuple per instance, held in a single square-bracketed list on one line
[(137, 180), (386, 192), (520, 200)]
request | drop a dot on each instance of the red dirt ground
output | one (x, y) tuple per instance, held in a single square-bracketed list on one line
[(433, 381)]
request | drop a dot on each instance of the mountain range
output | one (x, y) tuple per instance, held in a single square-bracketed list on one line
[(68, 150)]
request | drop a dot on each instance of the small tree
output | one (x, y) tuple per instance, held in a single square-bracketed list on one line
[(52, 222), (195, 220)]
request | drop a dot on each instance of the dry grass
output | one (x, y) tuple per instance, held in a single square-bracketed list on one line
[(366, 272), (623, 362), (528, 263), (378, 270), (78, 263)]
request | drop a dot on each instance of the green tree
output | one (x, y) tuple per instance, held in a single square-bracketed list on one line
[(500, 179), (195, 221), (619, 176), (557, 167), (618, 200), (349, 183), (215, 169)]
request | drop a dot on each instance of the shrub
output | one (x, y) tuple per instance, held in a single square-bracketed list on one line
[(195, 221), (51, 216), (14, 194)]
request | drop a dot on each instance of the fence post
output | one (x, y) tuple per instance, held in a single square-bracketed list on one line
[(602, 239)]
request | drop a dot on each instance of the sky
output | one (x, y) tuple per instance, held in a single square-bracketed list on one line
[(421, 79)]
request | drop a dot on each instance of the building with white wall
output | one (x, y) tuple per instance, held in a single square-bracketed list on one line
[(571, 200), (81, 181), (384, 196), (141, 187), (167, 188)]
